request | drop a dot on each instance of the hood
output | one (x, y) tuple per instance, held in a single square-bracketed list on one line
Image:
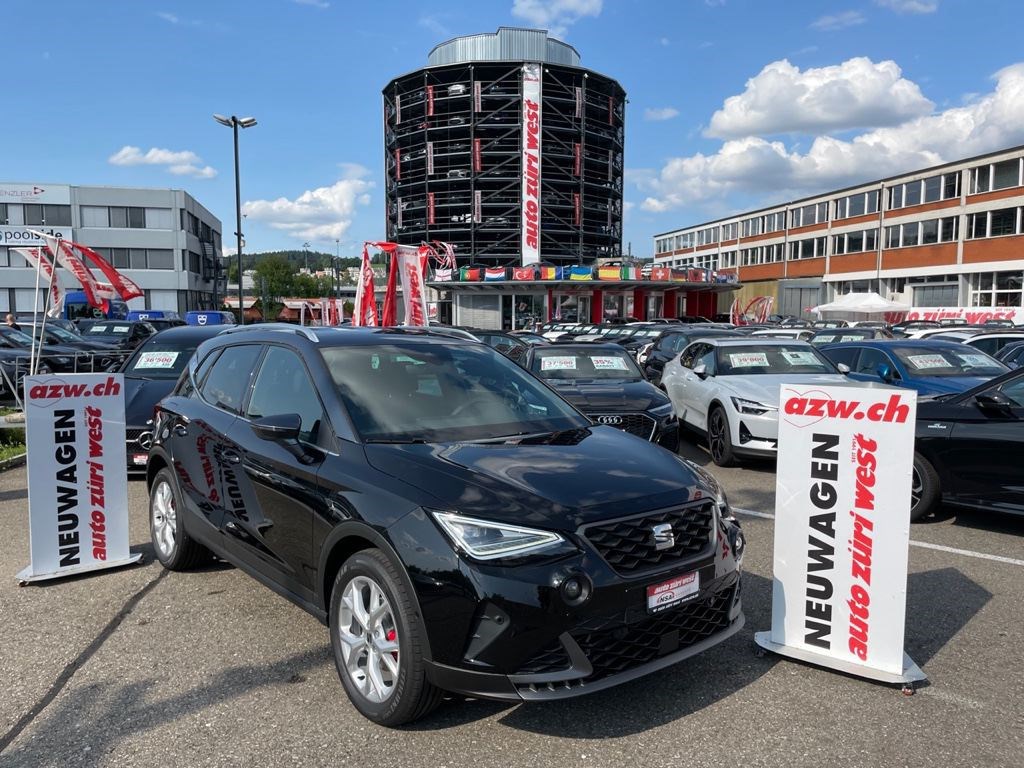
[(940, 385), (576, 478), (765, 388), (610, 396), (140, 395)]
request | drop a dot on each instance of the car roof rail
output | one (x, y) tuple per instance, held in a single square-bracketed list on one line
[(300, 330)]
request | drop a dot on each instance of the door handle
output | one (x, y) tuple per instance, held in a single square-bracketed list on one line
[(231, 456)]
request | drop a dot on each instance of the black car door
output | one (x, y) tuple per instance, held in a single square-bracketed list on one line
[(984, 454), (197, 420), (272, 490)]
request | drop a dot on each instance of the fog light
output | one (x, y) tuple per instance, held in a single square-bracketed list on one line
[(575, 589)]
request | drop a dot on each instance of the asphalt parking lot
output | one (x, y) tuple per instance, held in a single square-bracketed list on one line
[(145, 667)]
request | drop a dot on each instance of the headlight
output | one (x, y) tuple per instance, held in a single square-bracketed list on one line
[(751, 407), (661, 410), (487, 540)]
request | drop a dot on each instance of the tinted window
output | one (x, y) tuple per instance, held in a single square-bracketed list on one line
[(925, 362), (228, 379), (283, 386), (869, 361), (846, 355), (440, 393)]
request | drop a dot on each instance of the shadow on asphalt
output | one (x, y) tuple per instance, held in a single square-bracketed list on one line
[(15, 495), (637, 706), (939, 604)]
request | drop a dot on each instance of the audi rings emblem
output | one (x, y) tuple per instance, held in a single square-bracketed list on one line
[(145, 440), (611, 421)]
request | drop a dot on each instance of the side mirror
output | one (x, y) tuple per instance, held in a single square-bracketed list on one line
[(701, 370), (995, 403), (284, 426), (885, 373), (843, 368)]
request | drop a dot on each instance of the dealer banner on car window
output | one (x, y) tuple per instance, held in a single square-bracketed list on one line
[(842, 529), (77, 476)]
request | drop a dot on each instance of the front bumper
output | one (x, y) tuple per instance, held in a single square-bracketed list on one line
[(508, 631), (755, 435)]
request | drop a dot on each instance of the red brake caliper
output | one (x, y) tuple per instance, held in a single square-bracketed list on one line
[(390, 636)]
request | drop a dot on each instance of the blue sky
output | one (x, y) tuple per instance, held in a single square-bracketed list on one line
[(732, 104)]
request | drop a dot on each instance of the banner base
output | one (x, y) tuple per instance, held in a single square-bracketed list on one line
[(26, 576), (911, 672)]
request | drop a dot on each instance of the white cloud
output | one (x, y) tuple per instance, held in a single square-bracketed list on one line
[(181, 163), (855, 94), (754, 165), (325, 213), (910, 6), (662, 113), (555, 15), (434, 25), (170, 18), (836, 21), (314, 3), (665, 41)]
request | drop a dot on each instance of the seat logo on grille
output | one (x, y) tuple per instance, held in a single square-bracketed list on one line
[(611, 421), (664, 537)]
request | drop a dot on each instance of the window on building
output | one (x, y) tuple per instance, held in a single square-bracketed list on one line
[(856, 206), (980, 178), (892, 237), (160, 258), (729, 231), (949, 228), (1006, 174), (137, 218), (118, 217), (158, 218), (911, 193), (896, 197), (929, 232), (95, 216), (33, 215), (3, 214), (839, 245), (951, 186), (997, 289), (932, 189), (855, 242), (1003, 222), (909, 234), (977, 225)]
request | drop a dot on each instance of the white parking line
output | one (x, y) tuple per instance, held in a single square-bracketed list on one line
[(921, 544)]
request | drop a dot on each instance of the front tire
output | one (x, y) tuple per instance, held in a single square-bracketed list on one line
[(720, 438), (175, 549), (378, 640), (925, 489)]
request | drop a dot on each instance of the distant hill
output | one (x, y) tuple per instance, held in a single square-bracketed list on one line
[(298, 259)]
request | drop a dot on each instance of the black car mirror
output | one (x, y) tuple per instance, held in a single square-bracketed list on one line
[(284, 426), (701, 370), (843, 368), (994, 402)]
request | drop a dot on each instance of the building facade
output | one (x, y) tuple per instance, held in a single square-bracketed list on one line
[(945, 236), (162, 239)]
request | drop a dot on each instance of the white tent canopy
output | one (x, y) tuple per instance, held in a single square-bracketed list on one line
[(861, 304)]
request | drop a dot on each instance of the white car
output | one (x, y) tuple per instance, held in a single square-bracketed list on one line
[(728, 389), (803, 334)]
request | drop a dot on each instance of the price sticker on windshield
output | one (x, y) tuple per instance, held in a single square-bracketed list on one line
[(748, 359), (156, 360), (120, 329), (924, 362), (609, 363), (975, 360), (854, 337), (800, 358), (827, 339), (558, 363)]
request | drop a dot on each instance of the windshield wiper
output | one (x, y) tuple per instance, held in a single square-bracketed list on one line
[(393, 441)]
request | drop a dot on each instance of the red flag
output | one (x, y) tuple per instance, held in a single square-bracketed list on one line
[(125, 288), (38, 259), (366, 302), (390, 314), (410, 270)]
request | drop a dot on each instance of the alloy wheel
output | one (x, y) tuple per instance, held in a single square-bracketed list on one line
[(916, 488), (369, 639), (716, 435), (165, 519)]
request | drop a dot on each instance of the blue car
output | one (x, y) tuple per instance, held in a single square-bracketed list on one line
[(930, 367)]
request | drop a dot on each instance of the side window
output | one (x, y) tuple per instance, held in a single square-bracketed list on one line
[(988, 346), (688, 356), (188, 385), (1015, 391), (845, 355), (870, 359), (707, 357), (229, 377), (673, 343), (283, 386)]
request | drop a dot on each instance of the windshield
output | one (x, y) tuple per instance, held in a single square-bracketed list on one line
[(928, 362), (57, 333), (840, 337), (15, 338), (590, 364), (437, 393), (110, 329), (160, 359), (752, 359)]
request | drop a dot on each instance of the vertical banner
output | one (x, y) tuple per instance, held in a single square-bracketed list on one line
[(576, 158), (430, 158), (410, 271), (398, 108), (576, 208), (430, 100), (398, 164), (477, 159), (77, 479), (476, 96), (842, 529), (430, 208), (531, 163), (477, 207), (579, 102)]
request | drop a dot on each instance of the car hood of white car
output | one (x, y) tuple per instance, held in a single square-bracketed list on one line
[(764, 388)]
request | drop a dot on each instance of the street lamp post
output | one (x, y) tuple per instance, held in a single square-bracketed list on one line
[(234, 123)]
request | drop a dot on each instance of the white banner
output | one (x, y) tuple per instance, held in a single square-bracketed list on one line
[(531, 163), (26, 237), (77, 475), (411, 263), (57, 194), (842, 529)]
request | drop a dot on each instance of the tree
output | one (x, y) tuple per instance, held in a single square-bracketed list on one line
[(277, 276)]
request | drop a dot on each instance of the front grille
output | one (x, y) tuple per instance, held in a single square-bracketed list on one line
[(628, 545), (639, 424), (553, 658), (618, 650)]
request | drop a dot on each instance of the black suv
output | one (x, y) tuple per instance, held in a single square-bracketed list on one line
[(455, 523)]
